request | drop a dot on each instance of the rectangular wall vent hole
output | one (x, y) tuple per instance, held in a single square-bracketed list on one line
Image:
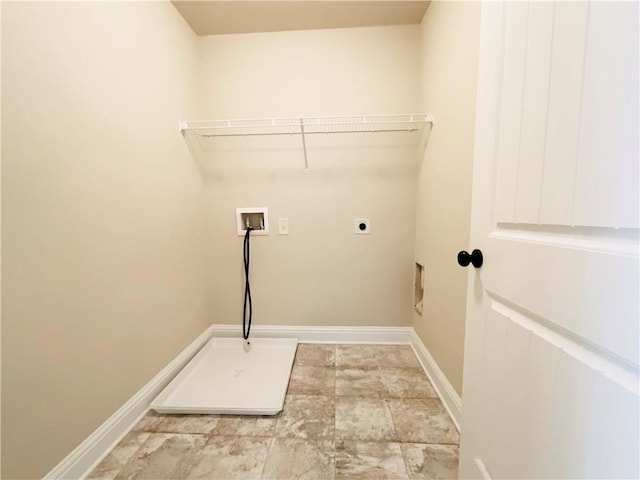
[(418, 292)]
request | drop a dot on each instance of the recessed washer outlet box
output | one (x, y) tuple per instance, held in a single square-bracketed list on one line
[(256, 218)]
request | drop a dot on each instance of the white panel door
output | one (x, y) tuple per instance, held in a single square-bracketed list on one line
[(551, 354)]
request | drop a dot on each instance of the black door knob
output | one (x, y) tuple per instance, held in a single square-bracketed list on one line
[(475, 258)]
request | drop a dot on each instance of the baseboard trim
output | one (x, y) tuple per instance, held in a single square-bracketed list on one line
[(450, 398), (306, 334), (86, 456)]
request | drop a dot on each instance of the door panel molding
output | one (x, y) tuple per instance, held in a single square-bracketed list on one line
[(612, 367), (565, 238)]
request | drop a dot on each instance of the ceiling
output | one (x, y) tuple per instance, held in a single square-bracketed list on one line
[(223, 17)]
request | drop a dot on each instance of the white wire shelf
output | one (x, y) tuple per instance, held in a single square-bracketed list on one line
[(308, 125), (303, 126)]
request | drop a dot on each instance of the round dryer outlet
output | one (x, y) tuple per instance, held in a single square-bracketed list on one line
[(362, 226)]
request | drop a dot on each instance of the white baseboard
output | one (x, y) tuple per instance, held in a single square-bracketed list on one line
[(86, 456), (305, 334), (81, 461), (450, 398)]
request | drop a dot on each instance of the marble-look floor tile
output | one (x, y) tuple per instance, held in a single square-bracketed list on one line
[(359, 418), (407, 383), (204, 424), (309, 380), (431, 462), (396, 356), (232, 458), (422, 421), (315, 355), (246, 425), (119, 456), (149, 422), (295, 458), (360, 382), (368, 460), (331, 396), (357, 355), (164, 456), (307, 416), (367, 356)]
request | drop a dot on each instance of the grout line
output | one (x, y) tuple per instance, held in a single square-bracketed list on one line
[(335, 410), (335, 406), (393, 422), (404, 461), (128, 459), (266, 457), (390, 441), (199, 456)]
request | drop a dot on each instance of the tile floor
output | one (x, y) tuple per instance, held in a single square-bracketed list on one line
[(351, 411)]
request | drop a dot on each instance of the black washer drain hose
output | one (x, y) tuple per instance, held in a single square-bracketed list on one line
[(246, 326)]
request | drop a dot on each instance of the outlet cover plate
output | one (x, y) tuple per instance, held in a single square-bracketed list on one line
[(283, 226), (257, 210)]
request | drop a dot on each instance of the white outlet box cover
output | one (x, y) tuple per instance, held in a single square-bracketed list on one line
[(241, 228), (356, 226)]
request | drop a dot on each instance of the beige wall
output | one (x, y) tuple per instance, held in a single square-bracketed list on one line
[(103, 232), (321, 274), (450, 34), (105, 217)]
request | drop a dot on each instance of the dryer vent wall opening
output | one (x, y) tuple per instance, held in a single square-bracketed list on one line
[(418, 291)]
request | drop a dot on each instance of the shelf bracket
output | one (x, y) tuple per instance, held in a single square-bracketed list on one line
[(304, 146)]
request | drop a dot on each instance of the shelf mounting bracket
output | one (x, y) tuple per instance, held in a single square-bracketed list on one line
[(304, 146)]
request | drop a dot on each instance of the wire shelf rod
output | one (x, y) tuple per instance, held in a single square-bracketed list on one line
[(306, 132), (191, 126), (365, 118), (360, 122)]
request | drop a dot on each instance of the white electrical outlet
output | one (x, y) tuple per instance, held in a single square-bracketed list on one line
[(362, 226), (283, 226)]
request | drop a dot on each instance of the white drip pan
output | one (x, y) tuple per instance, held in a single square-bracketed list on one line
[(225, 378)]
